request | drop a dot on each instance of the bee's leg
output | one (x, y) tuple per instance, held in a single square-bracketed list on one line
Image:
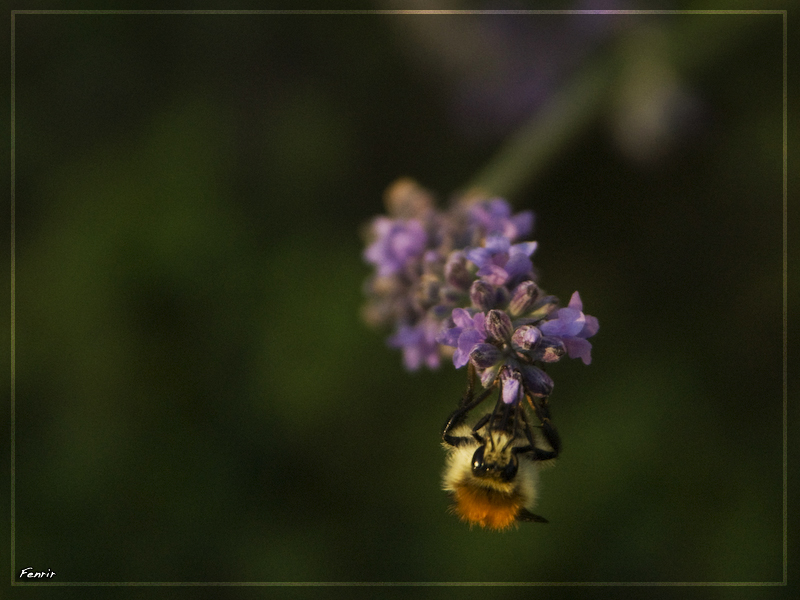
[(540, 406), (492, 416), (467, 403), (458, 416), (469, 394), (481, 422), (552, 437), (549, 431), (528, 433)]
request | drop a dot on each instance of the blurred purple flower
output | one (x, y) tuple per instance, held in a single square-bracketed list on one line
[(494, 217), (419, 344), (499, 262), (397, 243), (498, 69)]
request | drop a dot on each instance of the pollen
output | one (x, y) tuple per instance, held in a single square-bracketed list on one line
[(486, 507)]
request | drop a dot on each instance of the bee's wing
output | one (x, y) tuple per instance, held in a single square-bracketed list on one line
[(528, 517)]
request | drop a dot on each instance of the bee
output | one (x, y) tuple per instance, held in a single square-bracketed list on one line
[(492, 469)]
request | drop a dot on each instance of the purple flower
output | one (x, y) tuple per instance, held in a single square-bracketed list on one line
[(525, 337), (418, 343), (573, 327), (494, 218), (397, 243), (511, 380), (468, 331), (487, 360), (499, 262), (482, 299)]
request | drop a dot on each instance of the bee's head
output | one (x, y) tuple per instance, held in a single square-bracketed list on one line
[(495, 458)]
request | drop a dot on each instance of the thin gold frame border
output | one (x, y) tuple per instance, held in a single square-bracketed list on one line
[(16, 583)]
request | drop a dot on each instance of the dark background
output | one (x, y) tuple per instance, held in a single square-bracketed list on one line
[(196, 396)]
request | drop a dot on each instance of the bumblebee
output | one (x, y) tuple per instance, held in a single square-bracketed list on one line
[(492, 467)]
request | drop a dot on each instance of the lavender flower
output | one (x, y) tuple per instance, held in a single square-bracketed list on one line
[(573, 327), (467, 332), (419, 344), (461, 279), (494, 218), (499, 262), (511, 382), (398, 242)]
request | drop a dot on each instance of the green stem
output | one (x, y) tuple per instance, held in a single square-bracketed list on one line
[(529, 150)]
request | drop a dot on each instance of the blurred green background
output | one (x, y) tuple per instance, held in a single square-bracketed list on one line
[(196, 396)]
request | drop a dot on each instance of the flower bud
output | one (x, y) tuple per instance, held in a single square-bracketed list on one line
[(526, 337), (550, 349), (523, 299), (487, 360), (426, 293), (542, 307), (482, 295), (456, 273), (536, 382), (512, 385), (405, 198), (498, 327), (484, 356)]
